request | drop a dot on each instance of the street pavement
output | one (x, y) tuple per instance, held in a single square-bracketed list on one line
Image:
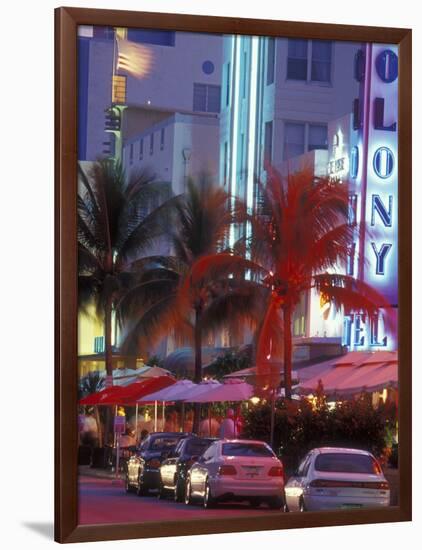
[(104, 500)]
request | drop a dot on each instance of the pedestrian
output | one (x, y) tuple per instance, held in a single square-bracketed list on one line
[(227, 427), (239, 421)]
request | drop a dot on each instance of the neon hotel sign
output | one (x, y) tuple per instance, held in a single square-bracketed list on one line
[(375, 118)]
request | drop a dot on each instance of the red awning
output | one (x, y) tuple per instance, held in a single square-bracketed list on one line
[(103, 397), (356, 372), (132, 393)]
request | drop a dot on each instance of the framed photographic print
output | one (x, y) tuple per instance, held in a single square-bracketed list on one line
[(233, 275)]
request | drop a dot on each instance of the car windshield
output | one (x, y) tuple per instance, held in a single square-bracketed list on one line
[(197, 447), (163, 443), (246, 449), (346, 462)]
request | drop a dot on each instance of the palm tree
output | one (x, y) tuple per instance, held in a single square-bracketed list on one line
[(301, 238), (115, 228), (189, 291)]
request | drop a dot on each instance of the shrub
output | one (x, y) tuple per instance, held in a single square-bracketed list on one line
[(300, 427)]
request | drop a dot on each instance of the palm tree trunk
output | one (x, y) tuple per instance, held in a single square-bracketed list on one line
[(198, 366), (107, 338), (108, 352), (287, 321)]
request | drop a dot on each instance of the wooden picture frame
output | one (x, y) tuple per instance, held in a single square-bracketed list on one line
[(66, 430)]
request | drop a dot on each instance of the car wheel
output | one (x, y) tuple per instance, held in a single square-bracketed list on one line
[(286, 508), (188, 493), (178, 491), (128, 486), (161, 491), (140, 489), (255, 502), (209, 501), (277, 503), (302, 506)]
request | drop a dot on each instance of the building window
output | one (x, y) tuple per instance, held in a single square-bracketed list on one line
[(347, 331), (162, 135), (242, 163), (352, 210), (206, 98), (294, 139), (297, 59), (321, 61), (151, 144), (318, 138), (131, 153), (301, 137), (244, 74), (354, 162), (270, 60), (268, 142), (225, 163), (309, 60), (99, 344), (228, 84), (149, 36), (359, 338), (118, 94), (99, 31), (141, 148)]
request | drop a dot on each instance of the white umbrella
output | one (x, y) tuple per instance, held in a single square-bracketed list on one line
[(171, 393), (232, 390), (191, 394)]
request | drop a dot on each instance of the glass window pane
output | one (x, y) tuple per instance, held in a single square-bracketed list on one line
[(151, 36), (214, 93), (321, 61), (297, 59), (294, 139), (317, 137), (199, 97)]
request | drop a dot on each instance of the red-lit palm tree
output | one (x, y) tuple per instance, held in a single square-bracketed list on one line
[(301, 236)]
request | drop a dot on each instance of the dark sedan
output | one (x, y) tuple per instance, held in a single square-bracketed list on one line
[(143, 468), (174, 468)]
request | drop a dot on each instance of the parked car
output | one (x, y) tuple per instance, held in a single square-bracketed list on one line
[(236, 470), (143, 468), (174, 469), (330, 478)]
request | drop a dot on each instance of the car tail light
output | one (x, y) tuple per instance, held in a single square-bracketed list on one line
[(227, 470), (154, 463), (379, 485), (276, 471)]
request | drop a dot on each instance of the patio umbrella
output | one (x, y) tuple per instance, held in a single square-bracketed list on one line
[(232, 390), (137, 390), (171, 393), (103, 397), (204, 387)]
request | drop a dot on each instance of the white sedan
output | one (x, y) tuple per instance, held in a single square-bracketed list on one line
[(237, 470), (331, 478)]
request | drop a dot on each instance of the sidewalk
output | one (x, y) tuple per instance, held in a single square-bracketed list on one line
[(101, 473)]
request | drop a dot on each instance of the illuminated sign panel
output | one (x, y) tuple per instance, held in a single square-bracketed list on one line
[(380, 269)]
